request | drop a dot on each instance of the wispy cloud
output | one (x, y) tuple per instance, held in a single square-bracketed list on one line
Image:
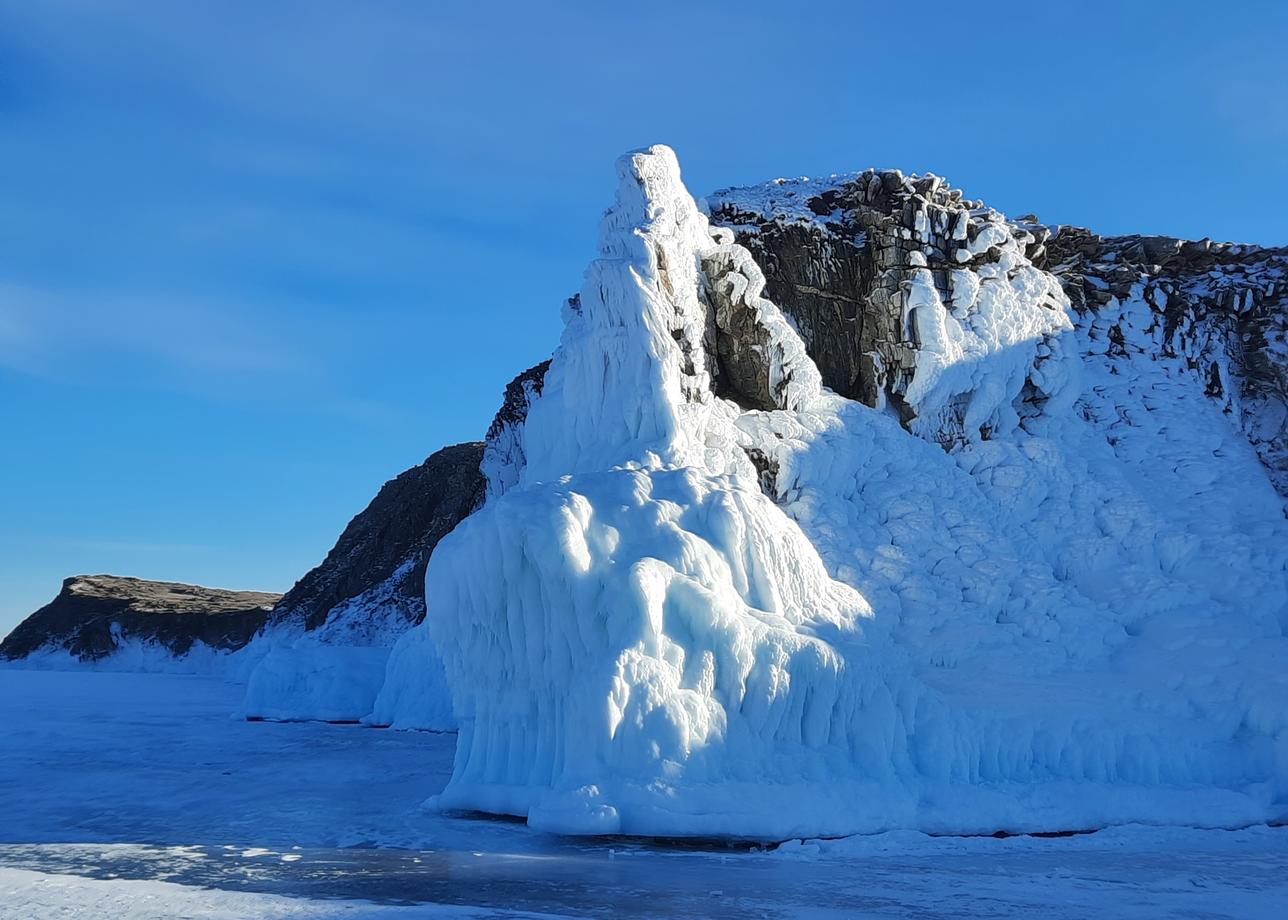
[(77, 335)]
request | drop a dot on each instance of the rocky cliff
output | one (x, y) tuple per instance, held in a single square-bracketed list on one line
[(846, 257), (372, 580), (367, 590), (95, 615)]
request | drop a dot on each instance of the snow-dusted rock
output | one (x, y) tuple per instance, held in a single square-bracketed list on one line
[(907, 295), (847, 256), (1220, 308)]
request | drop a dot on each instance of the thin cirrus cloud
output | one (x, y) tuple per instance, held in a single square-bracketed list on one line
[(208, 349), (88, 337)]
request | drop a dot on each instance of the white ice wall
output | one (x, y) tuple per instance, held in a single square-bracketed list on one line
[(1040, 632)]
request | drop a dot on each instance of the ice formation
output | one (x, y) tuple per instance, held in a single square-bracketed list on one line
[(786, 613), (337, 672)]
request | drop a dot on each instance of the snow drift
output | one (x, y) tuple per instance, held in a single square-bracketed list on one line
[(1053, 598), (328, 641)]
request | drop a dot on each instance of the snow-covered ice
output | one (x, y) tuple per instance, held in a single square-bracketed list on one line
[(27, 895), (1074, 621), (307, 679), (136, 796)]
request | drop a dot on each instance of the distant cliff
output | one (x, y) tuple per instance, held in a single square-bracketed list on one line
[(94, 614)]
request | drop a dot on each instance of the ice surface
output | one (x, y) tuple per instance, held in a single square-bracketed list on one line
[(1075, 621), (312, 820)]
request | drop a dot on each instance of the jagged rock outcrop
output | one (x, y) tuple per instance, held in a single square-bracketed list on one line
[(94, 615), (1220, 307), (372, 580), (504, 444), (846, 257), (863, 264)]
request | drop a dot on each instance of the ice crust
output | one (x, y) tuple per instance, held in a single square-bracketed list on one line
[(1077, 622)]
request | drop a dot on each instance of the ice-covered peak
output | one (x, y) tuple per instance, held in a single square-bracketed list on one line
[(669, 316), (631, 373)]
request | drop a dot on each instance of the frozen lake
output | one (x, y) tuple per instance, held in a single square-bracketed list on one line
[(140, 796)]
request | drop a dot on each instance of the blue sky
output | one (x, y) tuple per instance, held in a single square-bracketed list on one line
[(255, 258)]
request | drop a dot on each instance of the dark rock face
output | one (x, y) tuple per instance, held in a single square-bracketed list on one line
[(391, 538), (519, 392), (93, 614), (821, 275), (839, 256)]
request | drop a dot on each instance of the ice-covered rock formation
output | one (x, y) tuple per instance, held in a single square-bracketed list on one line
[(909, 295), (1220, 308), (846, 257), (844, 504), (1001, 578)]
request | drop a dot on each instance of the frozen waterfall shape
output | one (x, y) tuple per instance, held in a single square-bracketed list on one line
[(639, 639), (654, 608)]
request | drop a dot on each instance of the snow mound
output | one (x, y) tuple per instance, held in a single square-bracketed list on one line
[(649, 624), (413, 688), (313, 681), (337, 673), (679, 614), (140, 656)]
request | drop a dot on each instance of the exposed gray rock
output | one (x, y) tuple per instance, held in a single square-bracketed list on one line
[(837, 256), (94, 614), (820, 275), (742, 332)]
